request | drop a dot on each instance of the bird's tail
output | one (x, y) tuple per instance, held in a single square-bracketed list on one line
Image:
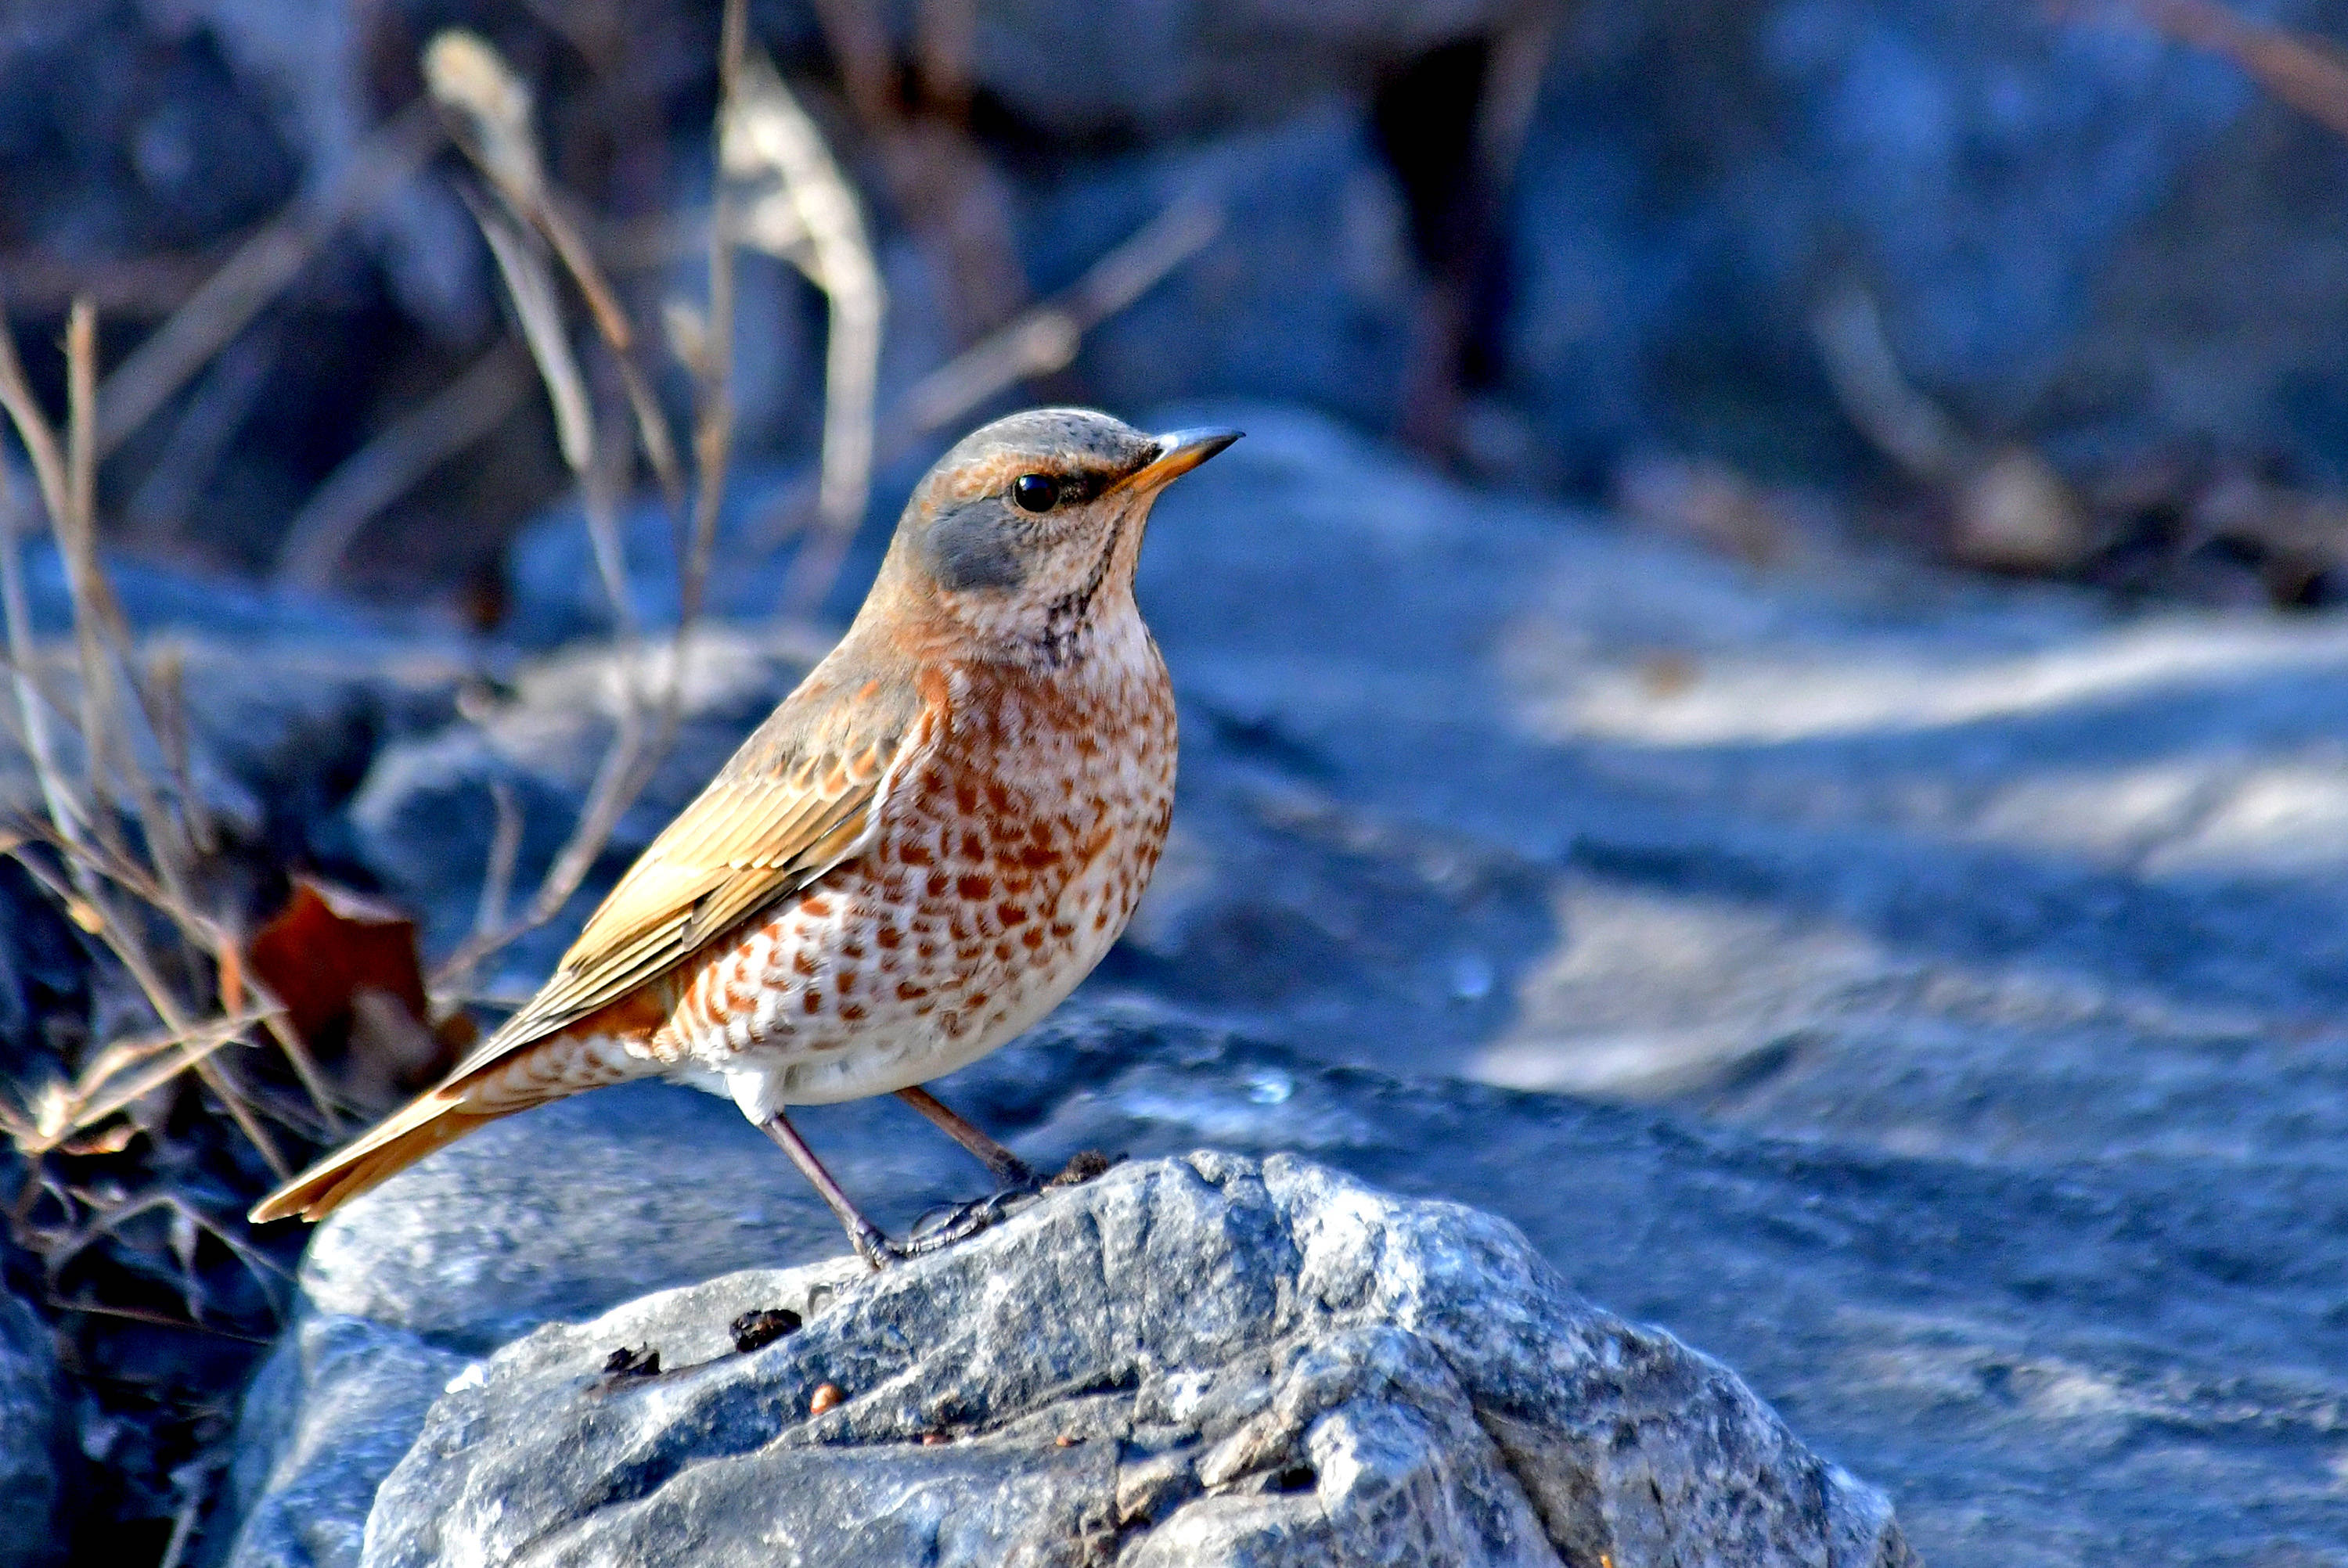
[(440, 1117)]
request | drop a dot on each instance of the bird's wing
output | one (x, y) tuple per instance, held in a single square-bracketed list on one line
[(795, 801)]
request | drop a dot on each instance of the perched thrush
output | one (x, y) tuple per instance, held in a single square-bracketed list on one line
[(912, 861)]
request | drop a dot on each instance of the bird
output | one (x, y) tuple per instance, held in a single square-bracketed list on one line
[(913, 860)]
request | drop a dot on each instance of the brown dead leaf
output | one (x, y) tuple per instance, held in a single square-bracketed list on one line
[(329, 943), (348, 969)]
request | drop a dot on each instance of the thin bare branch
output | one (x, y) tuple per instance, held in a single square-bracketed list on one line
[(492, 106), (258, 273), (1045, 338), (396, 459), (769, 134)]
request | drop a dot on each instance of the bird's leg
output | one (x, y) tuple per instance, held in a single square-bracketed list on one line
[(872, 1245), (967, 1219), (1008, 1168)]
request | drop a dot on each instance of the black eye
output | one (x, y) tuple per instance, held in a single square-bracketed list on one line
[(1035, 492)]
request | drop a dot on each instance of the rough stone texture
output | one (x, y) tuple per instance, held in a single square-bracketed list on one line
[(32, 1442), (1347, 1379), (2040, 1364), (337, 1401)]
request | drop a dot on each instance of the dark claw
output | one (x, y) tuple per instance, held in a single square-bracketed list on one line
[(962, 1221)]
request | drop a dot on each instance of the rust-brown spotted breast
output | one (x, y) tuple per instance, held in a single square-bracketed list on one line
[(1007, 852)]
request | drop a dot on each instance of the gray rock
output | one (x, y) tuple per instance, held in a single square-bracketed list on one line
[(2040, 201), (659, 1187), (32, 1441), (2025, 1357), (333, 1410), (1188, 1362)]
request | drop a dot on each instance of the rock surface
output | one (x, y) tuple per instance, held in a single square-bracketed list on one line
[(32, 1441), (1194, 1362), (2040, 1367)]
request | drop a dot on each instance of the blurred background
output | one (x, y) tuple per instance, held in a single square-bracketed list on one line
[(1690, 255), (1784, 577)]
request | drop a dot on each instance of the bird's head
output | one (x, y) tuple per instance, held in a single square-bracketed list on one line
[(1024, 537)]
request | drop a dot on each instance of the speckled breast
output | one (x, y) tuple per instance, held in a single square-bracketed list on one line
[(1008, 855)]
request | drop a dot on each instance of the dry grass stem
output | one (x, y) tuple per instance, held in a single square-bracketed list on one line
[(118, 1076), (712, 366), (395, 461), (471, 79), (34, 707), (2303, 72), (505, 847), (82, 825), (769, 135), (529, 285), (1904, 424), (493, 107), (257, 273)]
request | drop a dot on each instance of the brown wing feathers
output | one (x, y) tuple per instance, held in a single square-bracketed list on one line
[(791, 804)]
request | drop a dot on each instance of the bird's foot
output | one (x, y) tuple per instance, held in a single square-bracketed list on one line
[(940, 1229), (876, 1249)]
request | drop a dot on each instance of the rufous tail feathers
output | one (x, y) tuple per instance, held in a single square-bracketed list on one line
[(437, 1118)]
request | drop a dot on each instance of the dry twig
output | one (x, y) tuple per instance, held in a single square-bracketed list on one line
[(810, 216), (1040, 341), (257, 273), (98, 862), (393, 462), (2303, 72), (492, 107), (466, 76)]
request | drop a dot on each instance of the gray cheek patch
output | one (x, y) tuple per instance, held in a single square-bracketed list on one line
[(974, 546)]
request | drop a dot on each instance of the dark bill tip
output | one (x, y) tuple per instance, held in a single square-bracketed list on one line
[(1178, 452)]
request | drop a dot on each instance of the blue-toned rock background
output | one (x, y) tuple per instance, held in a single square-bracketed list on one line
[(1926, 992)]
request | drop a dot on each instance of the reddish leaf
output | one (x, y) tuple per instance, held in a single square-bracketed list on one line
[(326, 945)]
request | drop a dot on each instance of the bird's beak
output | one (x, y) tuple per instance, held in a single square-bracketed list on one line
[(1178, 452)]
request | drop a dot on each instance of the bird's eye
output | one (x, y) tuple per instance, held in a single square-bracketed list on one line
[(1035, 492)]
